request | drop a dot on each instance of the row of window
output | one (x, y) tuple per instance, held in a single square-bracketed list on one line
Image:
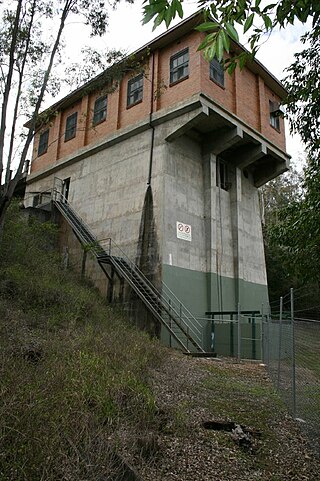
[(179, 70)]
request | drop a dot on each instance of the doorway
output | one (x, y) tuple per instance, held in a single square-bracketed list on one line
[(65, 189)]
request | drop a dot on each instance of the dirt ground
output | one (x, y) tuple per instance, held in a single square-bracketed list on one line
[(192, 394)]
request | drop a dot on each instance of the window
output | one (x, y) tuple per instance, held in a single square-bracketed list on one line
[(217, 72), (100, 110), (135, 90), (179, 66), (222, 175), (43, 142), (275, 113), (71, 127)]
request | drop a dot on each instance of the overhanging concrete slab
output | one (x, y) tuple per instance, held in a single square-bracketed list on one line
[(189, 121)]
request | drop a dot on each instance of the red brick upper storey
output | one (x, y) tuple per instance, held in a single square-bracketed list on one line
[(174, 71)]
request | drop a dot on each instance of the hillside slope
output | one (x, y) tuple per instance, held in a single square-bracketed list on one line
[(85, 396)]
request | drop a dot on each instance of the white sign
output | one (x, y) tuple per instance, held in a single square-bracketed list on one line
[(184, 231)]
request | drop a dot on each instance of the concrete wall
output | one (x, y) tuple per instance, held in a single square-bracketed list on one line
[(222, 265)]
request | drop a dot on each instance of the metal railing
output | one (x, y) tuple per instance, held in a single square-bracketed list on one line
[(164, 299), (169, 301)]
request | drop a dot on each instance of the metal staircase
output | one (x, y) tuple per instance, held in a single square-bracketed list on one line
[(163, 304)]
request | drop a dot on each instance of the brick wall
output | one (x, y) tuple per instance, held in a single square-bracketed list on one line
[(187, 87), (244, 94)]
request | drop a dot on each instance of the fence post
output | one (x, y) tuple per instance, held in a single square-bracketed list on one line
[(280, 342), (263, 353), (294, 405), (231, 337), (239, 333), (268, 317), (170, 324)]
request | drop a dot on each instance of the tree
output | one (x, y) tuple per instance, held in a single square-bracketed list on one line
[(25, 47), (221, 17), (276, 196)]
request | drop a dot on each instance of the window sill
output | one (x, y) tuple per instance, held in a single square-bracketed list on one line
[(276, 129), (218, 83), (42, 153), (94, 124), (69, 138), (133, 105), (178, 81)]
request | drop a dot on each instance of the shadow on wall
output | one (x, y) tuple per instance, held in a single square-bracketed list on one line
[(147, 260)]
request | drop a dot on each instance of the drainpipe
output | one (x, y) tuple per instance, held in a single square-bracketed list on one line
[(150, 123)]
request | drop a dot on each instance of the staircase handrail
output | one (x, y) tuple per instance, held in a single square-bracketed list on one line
[(97, 248), (80, 219), (159, 294), (191, 316)]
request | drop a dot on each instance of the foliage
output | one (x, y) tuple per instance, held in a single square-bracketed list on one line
[(29, 51), (276, 196), (303, 85), (298, 228), (291, 236), (74, 374), (222, 16)]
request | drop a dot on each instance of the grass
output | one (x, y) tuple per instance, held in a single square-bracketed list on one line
[(79, 385), (245, 402), (72, 371), (307, 336)]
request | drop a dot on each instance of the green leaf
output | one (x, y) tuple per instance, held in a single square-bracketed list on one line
[(242, 60), (225, 40), (168, 16), (158, 20), (219, 47), (148, 15), (174, 7), (232, 32), (209, 38), (179, 9), (209, 52), (207, 26), (232, 67), (267, 21), (248, 23)]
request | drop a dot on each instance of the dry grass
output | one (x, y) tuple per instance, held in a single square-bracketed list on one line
[(81, 390), (72, 371)]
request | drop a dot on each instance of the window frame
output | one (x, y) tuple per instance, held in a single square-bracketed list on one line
[(43, 145), (175, 69), (222, 174), (100, 111), (71, 130), (135, 95), (216, 67), (274, 119)]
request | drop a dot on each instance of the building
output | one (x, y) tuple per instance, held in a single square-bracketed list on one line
[(168, 165)]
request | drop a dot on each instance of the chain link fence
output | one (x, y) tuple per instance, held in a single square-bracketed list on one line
[(291, 351)]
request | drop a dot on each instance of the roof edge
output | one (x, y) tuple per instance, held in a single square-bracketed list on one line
[(163, 39)]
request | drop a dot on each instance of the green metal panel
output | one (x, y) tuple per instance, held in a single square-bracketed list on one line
[(201, 292)]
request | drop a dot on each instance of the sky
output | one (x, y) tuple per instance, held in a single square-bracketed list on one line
[(127, 32)]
